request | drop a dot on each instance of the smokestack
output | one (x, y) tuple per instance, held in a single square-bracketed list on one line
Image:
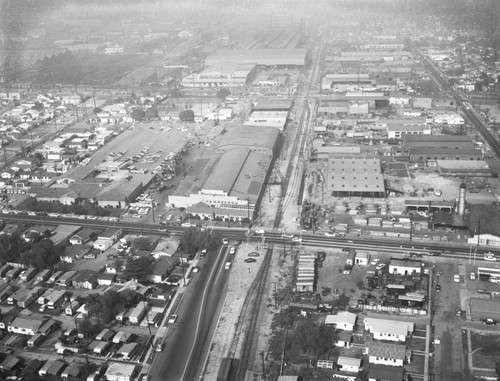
[(461, 200)]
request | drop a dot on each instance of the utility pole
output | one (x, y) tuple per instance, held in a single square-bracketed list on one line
[(263, 365)]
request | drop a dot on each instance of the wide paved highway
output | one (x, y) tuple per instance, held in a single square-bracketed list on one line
[(188, 340)]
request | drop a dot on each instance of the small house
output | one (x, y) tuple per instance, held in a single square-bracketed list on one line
[(349, 364), (343, 320)]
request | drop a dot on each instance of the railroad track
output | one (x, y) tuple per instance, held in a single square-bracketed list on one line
[(246, 327)]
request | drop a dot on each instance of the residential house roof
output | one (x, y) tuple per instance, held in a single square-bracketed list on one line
[(386, 350), (406, 263), (27, 323), (395, 327), (385, 373), (343, 317), (348, 361), (9, 363)]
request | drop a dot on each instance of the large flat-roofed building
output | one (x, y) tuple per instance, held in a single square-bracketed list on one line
[(397, 129), (224, 74), (484, 309), (263, 57), (273, 105), (438, 141), (234, 181), (255, 138), (378, 54), (464, 168), (274, 119), (339, 81), (355, 177), (433, 154)]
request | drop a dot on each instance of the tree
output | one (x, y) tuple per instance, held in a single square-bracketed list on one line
[(478, 86), (139, 268), (138, 114), (152, 113), (38, 106), (223, 93), (143, 243), (194, 240), (186, 116)]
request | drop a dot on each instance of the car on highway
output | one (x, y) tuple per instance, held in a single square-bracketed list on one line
[(375, 262), (172, 319), (435, 253), (490, 321), (490, 257), (260, 231), (250, 260), (225, 241), (297, 239), (287, 236), (232, 250), (380, 266), (456, 278)]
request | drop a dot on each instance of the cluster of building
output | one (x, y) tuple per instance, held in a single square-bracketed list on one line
[(385, 347)]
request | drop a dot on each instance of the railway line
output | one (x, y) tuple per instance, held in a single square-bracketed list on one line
[(468, 111), (249, 317)]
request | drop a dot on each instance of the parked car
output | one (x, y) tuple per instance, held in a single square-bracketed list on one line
[(250, 260), (380, 266), (375, 262), (456, 278), (328, 234), (472, 276), (232, 250), (225, 241), (227, 266), (438, 288)]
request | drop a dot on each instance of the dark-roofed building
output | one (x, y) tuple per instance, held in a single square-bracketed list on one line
[(9, 363), (162, 268), (384, 373), (386, 354), (73, 370), (355, 177), (73, 253), (84, 236), (85, 279), (438, 141), (56, 368), (426, 155), (32, 368)]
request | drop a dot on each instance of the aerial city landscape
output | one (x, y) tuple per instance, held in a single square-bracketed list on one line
[(225, 190)]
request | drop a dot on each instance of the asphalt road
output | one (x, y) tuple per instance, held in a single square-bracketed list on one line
[(188, 340)]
